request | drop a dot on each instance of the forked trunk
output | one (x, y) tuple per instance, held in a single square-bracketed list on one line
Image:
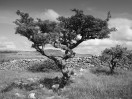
[(112, 68), (65, 72)]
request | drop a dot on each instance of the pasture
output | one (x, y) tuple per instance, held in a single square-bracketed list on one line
[(88, 83)]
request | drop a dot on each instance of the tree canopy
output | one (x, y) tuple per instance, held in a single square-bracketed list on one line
[(114, 56), (62, 34), (65, 31)]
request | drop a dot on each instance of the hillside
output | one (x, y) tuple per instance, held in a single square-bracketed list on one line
[(11, 55)]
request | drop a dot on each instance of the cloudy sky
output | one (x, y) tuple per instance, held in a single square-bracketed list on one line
[(51, 9)]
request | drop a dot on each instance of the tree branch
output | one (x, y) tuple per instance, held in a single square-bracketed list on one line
[(76, 44)]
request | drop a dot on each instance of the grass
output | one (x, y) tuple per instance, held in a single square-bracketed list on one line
[(93, 86), (94, 83), (86, 86), (45, 66)]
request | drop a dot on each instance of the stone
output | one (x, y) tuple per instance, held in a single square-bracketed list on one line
[(81, 70), (19, 95), (32, 96), (32, 79), (41, 86), (52, 97), (56, 86)]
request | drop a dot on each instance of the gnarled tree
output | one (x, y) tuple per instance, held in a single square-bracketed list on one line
[(114, 56), (65, 34)]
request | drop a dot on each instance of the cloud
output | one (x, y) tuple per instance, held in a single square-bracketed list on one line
[(3, 38), (95, 46), (6, 44), (7, 20), (123, 36), (2, 46), (49, 14), (97, 42), (90, 9), (123, 15), (124, 29)]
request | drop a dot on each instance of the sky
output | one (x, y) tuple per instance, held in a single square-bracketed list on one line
[(51, 9)]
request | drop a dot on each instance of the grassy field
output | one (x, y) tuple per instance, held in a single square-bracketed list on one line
[(92, 83), (6, 56), (102, 86), (11, 55)]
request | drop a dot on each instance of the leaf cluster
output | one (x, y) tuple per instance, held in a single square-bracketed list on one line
[(64, 32), (117, 55)]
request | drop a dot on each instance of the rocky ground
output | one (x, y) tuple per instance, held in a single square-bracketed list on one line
[(33, 87), (23, 64), (16, 82)]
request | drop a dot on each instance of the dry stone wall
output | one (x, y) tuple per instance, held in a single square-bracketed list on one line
[(23, 64)]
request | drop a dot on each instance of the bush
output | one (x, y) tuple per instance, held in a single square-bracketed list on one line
[(95, 61), (114, 57), (45, 66)]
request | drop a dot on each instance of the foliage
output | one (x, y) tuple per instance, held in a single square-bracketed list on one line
[(114, 56), (127, 60), (46, 66), (62, 34), (95, 60)]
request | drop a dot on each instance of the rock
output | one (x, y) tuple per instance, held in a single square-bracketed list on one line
[(19, 95), (81, 70), (32, 79), (32, 96), (41, 86), (91, 65), (52, 97), (47, 91), (75, 74), (56, 86)]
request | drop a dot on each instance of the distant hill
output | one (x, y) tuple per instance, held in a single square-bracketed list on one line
[(54, 52), (37, 54), (8, 51), (83, 55)]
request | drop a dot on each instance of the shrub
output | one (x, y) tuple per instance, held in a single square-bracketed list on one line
[(45, 66), (114, 57)]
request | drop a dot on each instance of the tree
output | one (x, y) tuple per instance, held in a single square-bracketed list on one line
[(63, 34), (114, 57), (127, 60)]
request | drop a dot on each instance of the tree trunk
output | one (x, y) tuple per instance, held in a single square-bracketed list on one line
[(112, 67), (112, 70), (65, 72), (60, 63)]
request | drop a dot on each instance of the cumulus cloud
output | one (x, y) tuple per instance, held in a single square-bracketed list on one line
[(49, 14), (2, 46), (7, 20), (97, 42), (124, 29), (95, 46), (3, 38), (123, 36), (5, 44)]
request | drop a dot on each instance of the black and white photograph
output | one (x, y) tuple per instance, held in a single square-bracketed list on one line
[(65, 49)]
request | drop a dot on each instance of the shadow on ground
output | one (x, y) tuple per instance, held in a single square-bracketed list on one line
[(46, 66), (49, 82), (102, 71), (29, 85)]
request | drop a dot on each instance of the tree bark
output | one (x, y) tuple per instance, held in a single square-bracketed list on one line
[(112, 67), (60, 63)]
